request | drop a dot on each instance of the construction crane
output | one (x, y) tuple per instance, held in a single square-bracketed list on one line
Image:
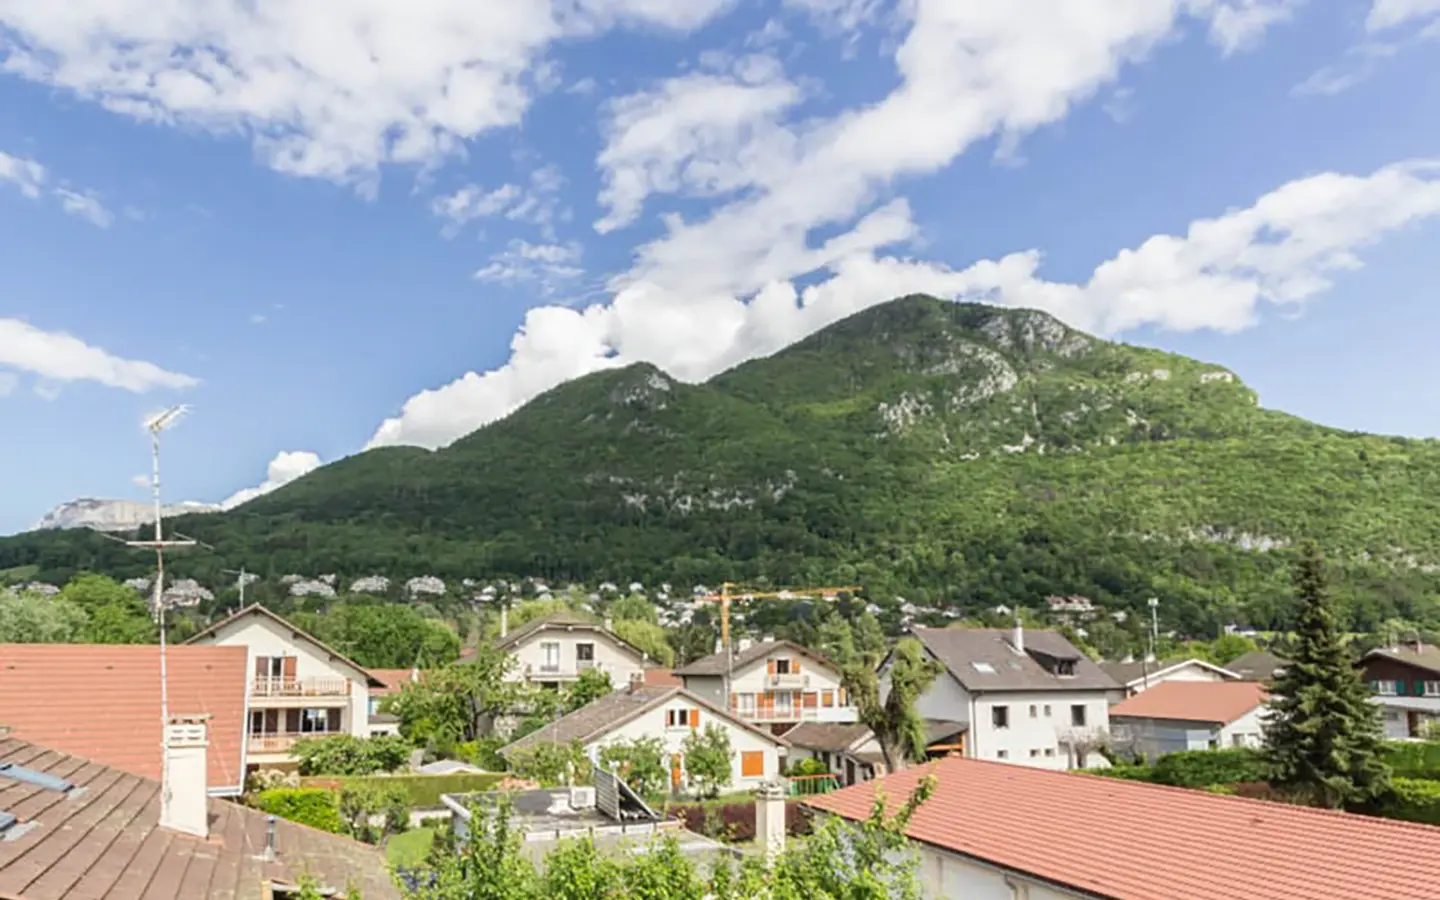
[(729, 593)]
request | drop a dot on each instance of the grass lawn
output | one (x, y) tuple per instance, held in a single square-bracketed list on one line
[(409, 849)]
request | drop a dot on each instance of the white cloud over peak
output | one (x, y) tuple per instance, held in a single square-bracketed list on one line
[(331, 90), (56, 357), (1386, 14), (1283, 250), (287, 466)]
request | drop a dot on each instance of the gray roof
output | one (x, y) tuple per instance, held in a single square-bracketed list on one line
[(564, 621), (1257, 665), (827, 736), (588, 723), (714, 664), (1003, 668), (1424, 656), (938, 729)]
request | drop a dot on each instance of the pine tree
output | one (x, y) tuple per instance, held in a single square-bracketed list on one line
[(1323, 739)]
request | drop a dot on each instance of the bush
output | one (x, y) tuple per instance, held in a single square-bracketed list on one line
[(365, 800), (1199, 768), (420, 790), (1413, 800), (1126, 771), (1414, 759), (345, 754), (808, 766), (316, 807)]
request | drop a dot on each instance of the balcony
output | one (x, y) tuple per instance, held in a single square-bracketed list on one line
[(281, 742), (268, 688), (787, 680), (561, 672), (831, 714)]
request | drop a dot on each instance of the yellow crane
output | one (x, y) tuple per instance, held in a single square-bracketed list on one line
[(730, 592)]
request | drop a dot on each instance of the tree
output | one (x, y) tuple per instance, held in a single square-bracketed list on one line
[(382, 635), (634, 608), (869, 639), (589, 687), (552, 764), (486, 865), (898, 727), (837, 641), (639, 763), (345, 754), (361, 804), (115, 613), (453, 704), (1323, 738), (648, 639), (32, 618), (708, 759)]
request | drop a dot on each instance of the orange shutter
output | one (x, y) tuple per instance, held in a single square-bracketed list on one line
[(810, 699), (795, 666), (734, 702), (694, 718), (289, 664), (752, 764), (770, 667), (827, 699)]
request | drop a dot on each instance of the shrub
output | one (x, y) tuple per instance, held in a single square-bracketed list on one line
[(345, 754), (1414, 800), (808, 766), (420, 790), (1414, 759), (1198, 768), (364, 800), (1126, 771), (316, 807)]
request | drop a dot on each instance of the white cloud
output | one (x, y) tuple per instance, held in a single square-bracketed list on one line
[(548, 265), (85, 205), (27, 175), (536, 204), (59, 357), (472, 202), (1240, 24), (8, 382), (1358, 64), (258, 319), (287, 466), (839, 15), (1385, 14), (1282, 250), (324, 89)]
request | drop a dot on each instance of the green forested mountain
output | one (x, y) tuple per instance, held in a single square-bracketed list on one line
[(955, 454)]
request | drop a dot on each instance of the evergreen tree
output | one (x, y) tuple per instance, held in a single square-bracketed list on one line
[(1323, 739)]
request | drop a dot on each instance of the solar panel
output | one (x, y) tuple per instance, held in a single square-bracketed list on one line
[(30, 776)]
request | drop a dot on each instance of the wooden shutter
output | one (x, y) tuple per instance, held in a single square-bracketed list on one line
[(811, 698), (752, 764), (262, 666), (333, 720), (770, 667), (795, 666), (289, 664), (694, 718), (292, 721), (734, 702)]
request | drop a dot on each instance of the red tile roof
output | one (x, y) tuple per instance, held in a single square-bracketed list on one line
[(662, 678), (391, 680), (1129, 840), (102, 702), (102, 841), (1193, 701)]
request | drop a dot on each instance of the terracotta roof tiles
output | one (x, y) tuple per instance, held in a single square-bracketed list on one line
[(1193, 701), (1178, 844), (102, 702)]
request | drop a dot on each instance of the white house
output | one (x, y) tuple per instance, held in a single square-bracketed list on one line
[(993, 832), (299, 687), (1138, 675), (671, 714), (1191, 715), (1027, 697), (556, 649), (771, 682)]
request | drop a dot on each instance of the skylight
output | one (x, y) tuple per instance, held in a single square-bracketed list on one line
[(984, 667), (30, 776)]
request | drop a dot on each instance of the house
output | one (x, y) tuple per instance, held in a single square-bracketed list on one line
[(1406, 682), (853, 755), (299, 687), (556, 649), (1190, 715), (670, 714), (102, 702), (775, 683), (390, 682), (994, 831), (1257, 665), (1027, 696), (76, 829), (1137, 675), (607, 811)]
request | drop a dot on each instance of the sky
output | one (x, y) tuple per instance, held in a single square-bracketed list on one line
[(333, 226)]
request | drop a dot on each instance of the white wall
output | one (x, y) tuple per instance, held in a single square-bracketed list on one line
[(611, 657), (1038, 720), (1249, 729), (945, 700), (652, 724), (1190, 671), (753, 679), (950, 875), (265, 637)]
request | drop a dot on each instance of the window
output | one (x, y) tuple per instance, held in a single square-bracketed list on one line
[(584, 652), (1237, 740), (550, 656), (682, 718), (752, 764), (747, 704), (1034, 754), (827, 699), (1002, 754), (782, 667), (984, 667), (319, 721), (783, 704), (1065, 668), (1034, 710), (1387, 688), (1077, 715), (1000, 716), (1432, 688), (1049, 751), (1047, 710)]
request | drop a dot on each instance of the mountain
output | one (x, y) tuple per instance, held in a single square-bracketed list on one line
[(113, 515), (956, 454)]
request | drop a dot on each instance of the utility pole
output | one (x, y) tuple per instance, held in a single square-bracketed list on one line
[(1154, 626), (155, 425), (241, 579)]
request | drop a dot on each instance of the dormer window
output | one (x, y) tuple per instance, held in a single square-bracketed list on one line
[(1065, 668)]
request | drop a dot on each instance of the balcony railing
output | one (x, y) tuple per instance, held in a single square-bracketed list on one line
[(796, 714), (299, 687), (787, 679), (562, 670), (281, 742)]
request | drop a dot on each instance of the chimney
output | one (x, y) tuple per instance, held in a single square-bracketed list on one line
[(1018, 639), (184, 798), (770, 819), (504, 620), (609, 624), (637, 681)]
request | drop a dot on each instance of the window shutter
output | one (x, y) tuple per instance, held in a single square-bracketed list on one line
[(1420, 688), (262, 666), (694, 718), (770, 667), (292, 721), (333, 722), (795, 666), (734, 702), (290, 662)]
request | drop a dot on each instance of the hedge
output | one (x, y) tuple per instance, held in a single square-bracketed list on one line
[(420, 790), (1414, 759), (313, 806), (1414, 800), (1201, 768)]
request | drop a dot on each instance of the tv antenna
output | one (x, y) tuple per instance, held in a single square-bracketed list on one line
[(157, 424)]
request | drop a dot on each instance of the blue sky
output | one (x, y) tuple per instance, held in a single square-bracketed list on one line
[(394, 224)]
